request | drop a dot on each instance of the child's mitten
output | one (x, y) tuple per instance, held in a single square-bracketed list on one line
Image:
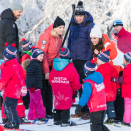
[(32, 89), (24, 91)]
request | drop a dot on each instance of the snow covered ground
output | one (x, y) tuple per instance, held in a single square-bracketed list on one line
[(39, 14), (85, 127)]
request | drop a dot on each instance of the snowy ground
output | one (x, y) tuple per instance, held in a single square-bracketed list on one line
[(85, 127)]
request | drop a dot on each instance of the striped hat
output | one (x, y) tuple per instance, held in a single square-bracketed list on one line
[(104, 56), (26, 45), (64, 53), (79, 10), (90, 67), (36, 52), (10, 51), (117, 22), (127, 56)]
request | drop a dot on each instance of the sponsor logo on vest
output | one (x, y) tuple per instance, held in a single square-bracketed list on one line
[(99, 106), (60, 80), (99, 87)]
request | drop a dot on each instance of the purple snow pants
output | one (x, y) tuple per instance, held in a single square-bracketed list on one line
[(127, 112), (36, 108)]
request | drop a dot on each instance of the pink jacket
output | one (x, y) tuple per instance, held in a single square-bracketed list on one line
[(63, 83)]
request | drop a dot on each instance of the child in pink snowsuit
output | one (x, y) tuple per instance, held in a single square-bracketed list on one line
[(34, 81), (125, 80), (64, 80)]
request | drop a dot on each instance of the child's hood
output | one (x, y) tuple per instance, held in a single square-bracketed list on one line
[(25, 64), (105, 68), (59, 64), (96, 77)]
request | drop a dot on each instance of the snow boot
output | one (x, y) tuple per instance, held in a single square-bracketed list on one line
[(11, 126), (125, 124), (57, 122), (111, 121), (4, 120), (42, 119), (86, 116), (49, 116), (77, 115), (71, 123), (117, 120), (24, 120)]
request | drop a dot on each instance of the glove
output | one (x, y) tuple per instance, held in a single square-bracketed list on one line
[(47, 76), (24, 91), (32, 89), (121, 80), (78, 109), (118, 80), (115, 79)]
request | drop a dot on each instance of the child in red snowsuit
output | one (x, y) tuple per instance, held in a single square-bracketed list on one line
[(11, 82), (26, 54), (64, 80), (108, 72), (125, 80)]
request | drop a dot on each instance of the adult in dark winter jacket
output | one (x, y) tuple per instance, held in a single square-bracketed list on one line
[(79, 42), (8, 27)]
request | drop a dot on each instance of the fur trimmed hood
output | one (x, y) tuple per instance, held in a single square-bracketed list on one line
[(25, 64)]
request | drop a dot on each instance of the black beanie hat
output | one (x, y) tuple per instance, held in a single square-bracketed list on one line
[(80, 9), (58, 22)]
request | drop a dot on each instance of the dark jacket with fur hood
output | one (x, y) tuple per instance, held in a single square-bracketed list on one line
[(34, 76)]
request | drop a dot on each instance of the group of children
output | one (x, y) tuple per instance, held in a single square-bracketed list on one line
[(99, 87)]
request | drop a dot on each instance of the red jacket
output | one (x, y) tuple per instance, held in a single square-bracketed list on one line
[(124, 41), (23, 58), (63, 84), (97, 101), (126, 87), (50, 46), (108, 71), (12, 78)]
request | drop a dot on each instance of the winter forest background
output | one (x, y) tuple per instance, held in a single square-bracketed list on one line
[(39, 14)]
